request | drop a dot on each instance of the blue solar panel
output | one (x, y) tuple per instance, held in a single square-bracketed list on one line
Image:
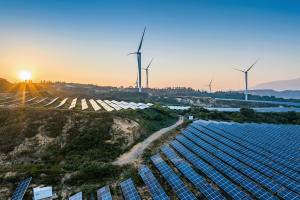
[(200, 164), (229, 171), (203, 154), (195, 178), (180, 148), (77, 196), (149, 179), (21, 189), (226, 185), (104, 193), (211, 193), (265, 181), (230, 160), (172, 155), (287, 182), (160, 195), (185, 141), (129, 190), (257, 190), (181, 190), (162, 165), (287, 194)]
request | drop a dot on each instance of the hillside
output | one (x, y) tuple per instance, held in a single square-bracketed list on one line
[(70, 150), (286, 94), (280, 85)]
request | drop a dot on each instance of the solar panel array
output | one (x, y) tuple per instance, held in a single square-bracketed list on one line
[(77, 196), (23, 102), (250, 155), (84, 104), (73, 104), (178, 186), (104, 105), (258, 101), (152, 184), (51, 102), (129, 190), (40, 101), (95, 105), (178, 107), (267, 109), (21, 189), (62, 103), (104, 193)]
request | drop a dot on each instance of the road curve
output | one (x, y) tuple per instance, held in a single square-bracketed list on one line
[(138, 148)]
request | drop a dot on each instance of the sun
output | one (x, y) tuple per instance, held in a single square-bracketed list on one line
[(25, 75)]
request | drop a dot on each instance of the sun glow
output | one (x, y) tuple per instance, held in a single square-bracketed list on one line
[(25, 75)]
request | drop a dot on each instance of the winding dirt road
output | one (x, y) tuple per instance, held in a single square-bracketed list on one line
[(138, 148)]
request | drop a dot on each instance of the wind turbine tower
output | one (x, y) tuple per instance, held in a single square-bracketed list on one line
[(210, 85), (139, 59), (147, 71), (246, 79), (136, 82)]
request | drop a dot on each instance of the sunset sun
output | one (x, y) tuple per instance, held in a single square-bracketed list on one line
[(25, 75)]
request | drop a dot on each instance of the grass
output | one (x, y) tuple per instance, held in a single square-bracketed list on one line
[(85, 151)]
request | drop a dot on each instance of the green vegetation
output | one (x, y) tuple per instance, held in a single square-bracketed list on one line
[(245, 115), (83, 144)]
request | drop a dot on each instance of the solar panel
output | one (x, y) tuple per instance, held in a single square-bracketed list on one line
[(195, 178), (230, 160), (230, 172), (180, 189), (162, 166), (211, 193), (172, 155), (129, 190), (226, 185), (21, 189), (287, 194), (287, 182), (149, 179), (104, 193), (256, 190), (180, 148), (77, 196), (160, 195), (200, 164), (265, 181)]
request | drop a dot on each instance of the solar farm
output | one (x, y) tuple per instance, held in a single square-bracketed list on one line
[(222, 160), (68, 103)]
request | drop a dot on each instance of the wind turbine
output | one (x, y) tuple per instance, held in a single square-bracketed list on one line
[(210, 85), (139, 59), (246, 78), (147, 71)]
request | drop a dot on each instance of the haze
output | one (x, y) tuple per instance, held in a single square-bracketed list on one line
[(191, 42)]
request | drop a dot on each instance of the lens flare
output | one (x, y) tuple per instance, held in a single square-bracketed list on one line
[(25, 75)]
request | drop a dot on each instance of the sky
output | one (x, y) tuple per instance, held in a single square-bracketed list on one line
[(190, 41)]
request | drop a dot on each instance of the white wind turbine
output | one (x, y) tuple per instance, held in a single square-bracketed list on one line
[(139, 60), (147, 71), (246, 79), (210, 85)]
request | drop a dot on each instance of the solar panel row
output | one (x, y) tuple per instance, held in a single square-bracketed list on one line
[(178, 186)]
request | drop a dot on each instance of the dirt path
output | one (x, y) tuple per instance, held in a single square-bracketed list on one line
[(138, 148)]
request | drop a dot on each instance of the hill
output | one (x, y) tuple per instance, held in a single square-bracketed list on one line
[(280, 85), (286, 94), (70, 149)]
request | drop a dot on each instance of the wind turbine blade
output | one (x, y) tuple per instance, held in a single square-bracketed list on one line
[(211, 80), (131, 53), (238, 70), (149, 64), (141, 41), (252, 65)]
